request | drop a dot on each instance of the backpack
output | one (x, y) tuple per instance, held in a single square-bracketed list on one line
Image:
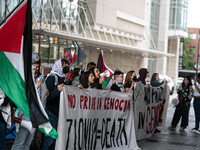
[(45, 91)]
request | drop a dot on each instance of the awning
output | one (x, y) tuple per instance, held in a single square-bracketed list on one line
[(101, 43)]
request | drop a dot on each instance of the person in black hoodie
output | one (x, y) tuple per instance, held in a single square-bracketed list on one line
[(54, 83), (143, 74)]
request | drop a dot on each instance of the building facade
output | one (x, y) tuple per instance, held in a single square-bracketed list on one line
[(132, 33), (177, 31), (194, 34)]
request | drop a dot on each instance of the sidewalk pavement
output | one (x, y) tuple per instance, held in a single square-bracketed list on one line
[(173, 140)]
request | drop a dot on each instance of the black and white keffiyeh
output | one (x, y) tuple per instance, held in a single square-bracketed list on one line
[(57, 69)]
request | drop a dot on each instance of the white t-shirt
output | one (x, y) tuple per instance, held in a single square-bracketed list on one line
[(196, 93)]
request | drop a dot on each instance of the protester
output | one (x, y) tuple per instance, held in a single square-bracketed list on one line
[(97, 79), (118, 85), (24, 137), (155, 80), (182, 109), (143, 74), (130, 81), (54, 83), (87, 80), (76, 76), (5, 118), (90, 65), (196, 104)]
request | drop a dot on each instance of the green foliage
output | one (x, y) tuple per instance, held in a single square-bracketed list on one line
[(188, 53)]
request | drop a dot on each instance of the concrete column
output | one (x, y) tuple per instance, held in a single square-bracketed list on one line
[(173, 62), (163, 35)]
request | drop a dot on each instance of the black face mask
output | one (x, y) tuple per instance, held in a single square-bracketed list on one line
[(66, 69), (37, 72)]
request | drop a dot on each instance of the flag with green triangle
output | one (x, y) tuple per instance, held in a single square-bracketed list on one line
[(103, 68), (16, 79)]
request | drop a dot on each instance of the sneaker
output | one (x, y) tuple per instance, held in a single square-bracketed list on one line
[(171, 128), (182, 129), (194, 130)]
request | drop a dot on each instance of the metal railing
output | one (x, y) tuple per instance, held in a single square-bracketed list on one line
[(75, 18)]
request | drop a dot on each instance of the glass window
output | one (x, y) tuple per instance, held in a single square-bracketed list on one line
[(193, 48), (155, 12), (6, 7), (151, 65), (193, 36), (178, 14)]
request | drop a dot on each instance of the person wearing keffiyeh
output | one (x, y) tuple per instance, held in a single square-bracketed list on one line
[(118, 85), (54, 84)]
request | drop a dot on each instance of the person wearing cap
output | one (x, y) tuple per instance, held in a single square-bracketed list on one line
[(118, 85), (24, 137), (143, 74)]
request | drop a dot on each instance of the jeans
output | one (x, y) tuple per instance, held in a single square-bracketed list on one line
[(196, 105), (2, 136), (49, 143), (23, 139)]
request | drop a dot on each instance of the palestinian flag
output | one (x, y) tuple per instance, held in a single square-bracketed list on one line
[(103, 68), (16, 79)]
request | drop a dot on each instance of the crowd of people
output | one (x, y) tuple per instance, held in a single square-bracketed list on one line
[(90, 78)]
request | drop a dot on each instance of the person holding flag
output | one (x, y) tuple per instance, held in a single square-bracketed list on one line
[(24, 136), (16, 66), (105, 71)]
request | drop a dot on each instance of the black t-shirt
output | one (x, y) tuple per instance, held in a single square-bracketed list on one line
[(128, 85), (114, 87)]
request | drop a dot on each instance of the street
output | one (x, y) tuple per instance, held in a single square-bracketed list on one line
[(173, 140)]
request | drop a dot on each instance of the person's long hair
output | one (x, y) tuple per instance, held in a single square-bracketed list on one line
[(92, 70), (129, 78), (189, 81), (84, 79), (153, 77), (96, 80)]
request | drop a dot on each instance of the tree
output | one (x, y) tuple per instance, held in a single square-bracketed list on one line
[(188, 54)]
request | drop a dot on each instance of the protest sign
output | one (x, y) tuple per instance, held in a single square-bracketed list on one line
[(95, 119), (150, 108)]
